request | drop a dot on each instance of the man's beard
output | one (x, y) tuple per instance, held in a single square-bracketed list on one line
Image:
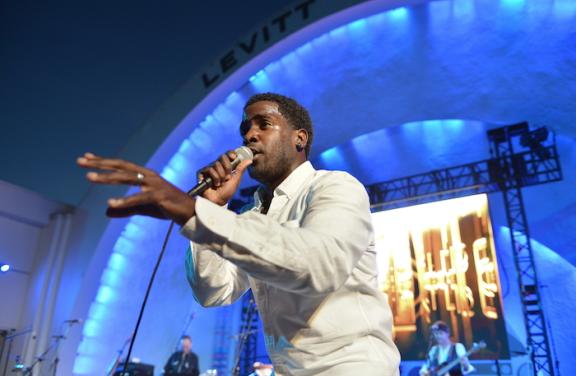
[(269, 172)]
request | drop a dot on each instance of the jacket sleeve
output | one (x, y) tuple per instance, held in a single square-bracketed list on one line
[(313, 255), (214, 280)]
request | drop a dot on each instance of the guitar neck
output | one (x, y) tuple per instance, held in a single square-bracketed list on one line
[(448, 366)]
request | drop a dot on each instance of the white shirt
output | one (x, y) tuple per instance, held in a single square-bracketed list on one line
[(311, 264)]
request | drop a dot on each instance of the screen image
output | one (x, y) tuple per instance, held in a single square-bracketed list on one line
[(437, 261)]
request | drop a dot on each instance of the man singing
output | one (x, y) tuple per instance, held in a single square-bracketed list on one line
[(305, 248)]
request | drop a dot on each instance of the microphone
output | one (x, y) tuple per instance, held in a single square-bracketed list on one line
[(73, 321), (243, 153)]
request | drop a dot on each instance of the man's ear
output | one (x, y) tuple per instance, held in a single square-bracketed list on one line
[(301, 139)]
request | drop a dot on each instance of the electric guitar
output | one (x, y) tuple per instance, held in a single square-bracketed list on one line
[(442, 369)]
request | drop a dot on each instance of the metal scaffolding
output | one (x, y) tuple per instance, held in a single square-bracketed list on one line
[(222, 331), (246, 352), (513, 174), (535, 162)]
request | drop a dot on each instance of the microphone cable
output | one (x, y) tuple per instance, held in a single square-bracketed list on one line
[(146, 295)]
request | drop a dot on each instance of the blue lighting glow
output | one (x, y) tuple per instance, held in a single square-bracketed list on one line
[(333, 157), (91, 328), (124, 245), (105, 295), (169, 174), (233, 99), (514, 8), (90, 346), (257, 75), (398, 14), (98, 311), (454, 124), (132, 231), (226, 116), (359, 24), (463, 8), (178, 163), (84, 365), (262, 82), (112, 278), (516, 4), (201, 139), (117, 262), (307, 47), (184, 147), (4, 268)]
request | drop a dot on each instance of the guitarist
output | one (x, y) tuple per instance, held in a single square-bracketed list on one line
[(443, 352)]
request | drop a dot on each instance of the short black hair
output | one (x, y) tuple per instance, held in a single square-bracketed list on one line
[(186, 336), (440, 325), (297, 116)]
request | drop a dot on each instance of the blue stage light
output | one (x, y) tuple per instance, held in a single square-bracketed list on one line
[(398, 14), (257, 75), (131, 231), (124, 245), (4, 268), (105, 295), (84, 365), (112, 278), (334, 159), (359, 24), (169, 174), (91, 328), (117, 261), (98, 312)]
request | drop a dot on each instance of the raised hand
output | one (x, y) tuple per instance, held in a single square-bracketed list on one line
[(225, 179), (157, 197)]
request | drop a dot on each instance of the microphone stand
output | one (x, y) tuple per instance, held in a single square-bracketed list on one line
[(54, 345), (10, 339), (118, 359), (191, 317)]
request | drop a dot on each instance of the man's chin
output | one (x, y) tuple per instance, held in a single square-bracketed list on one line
[(255, 172)]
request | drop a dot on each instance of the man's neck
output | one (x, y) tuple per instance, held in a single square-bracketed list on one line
[(272, 185)]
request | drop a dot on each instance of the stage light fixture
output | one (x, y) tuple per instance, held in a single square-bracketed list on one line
[(534, 141), (4, 267), (535, 138)]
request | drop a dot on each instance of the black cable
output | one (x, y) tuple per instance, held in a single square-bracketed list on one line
[(146, 296)]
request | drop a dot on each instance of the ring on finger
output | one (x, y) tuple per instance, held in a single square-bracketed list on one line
[(140, 178)]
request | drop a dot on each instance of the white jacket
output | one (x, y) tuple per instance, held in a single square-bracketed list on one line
[(311, 264)]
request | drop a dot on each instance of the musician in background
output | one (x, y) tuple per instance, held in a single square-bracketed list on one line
[(183, 362), (445, 351)]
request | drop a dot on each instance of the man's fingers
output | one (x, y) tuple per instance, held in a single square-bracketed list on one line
[(90, 160), (138, 199), (210, 172), (243, 166), (221, 171), (226, 160), (118, 177)]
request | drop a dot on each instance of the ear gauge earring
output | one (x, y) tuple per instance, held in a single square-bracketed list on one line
[(299, 147)]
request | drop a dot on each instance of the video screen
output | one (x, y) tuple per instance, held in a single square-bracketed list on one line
[(437, 261)]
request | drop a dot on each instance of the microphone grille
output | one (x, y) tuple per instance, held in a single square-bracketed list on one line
[(244, 153)]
